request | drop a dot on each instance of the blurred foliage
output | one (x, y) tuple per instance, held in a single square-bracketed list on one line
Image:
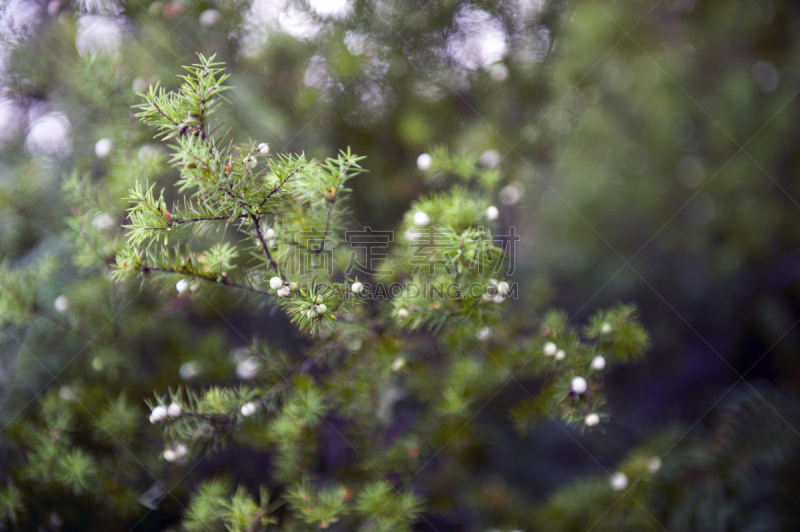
[(649, 155)]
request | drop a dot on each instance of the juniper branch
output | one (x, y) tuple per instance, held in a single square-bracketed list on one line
[(280, 184), (223, 279), (302, 369), (274, 265), (332, 201)]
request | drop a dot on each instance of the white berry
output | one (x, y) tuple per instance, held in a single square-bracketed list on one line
[(561, 354), (619, 481), (579, 385), (263, 148), (159, 413), (550, 349), (247, 368), (103, 148), (492, 213), (269, 233), (275, 283), (424, 161), (146, 152), (357, 287), (402, 313), (605, 328), (182, 285), (61, 304), (209, 17), (421, 219), (180, 450), (490, 158), (654, 464), (169, 455), (598, 363), (104, 221), (248, 409), (139, 84), (189, 370), (511, 194), (284, 291), (398, 364), (412, 234), (322, 309), (499, 72), (67, 393), (503, 289), (592, 420), (311, 314), (484, 334), (174, 410)]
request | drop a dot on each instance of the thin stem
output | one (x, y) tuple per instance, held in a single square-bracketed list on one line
[(220, 187), (35, 310), (307, 364), (331, 202), (162, 113), (181, 221), (279, 185), (224, 279), (235, 196), (274, 265)]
